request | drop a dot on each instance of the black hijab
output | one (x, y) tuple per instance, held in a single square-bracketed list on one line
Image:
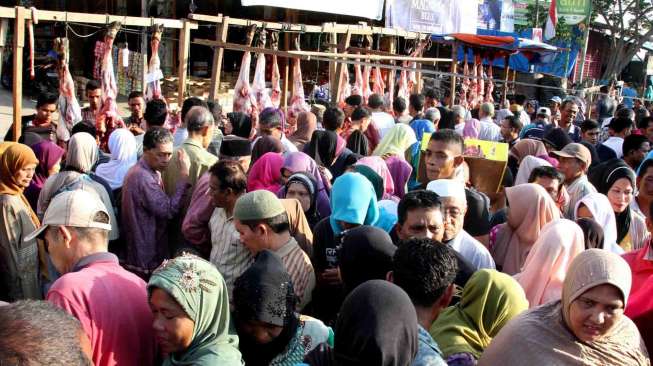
[(377, 325), (264, 292), (358, 143), (242, 124), (603, 177), (366, 254), (592, 231), (310, 184), (322, 147)]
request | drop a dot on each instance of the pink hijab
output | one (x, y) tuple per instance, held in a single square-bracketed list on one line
[(266, 173), (531, 208), (379, 166), (547, 263)]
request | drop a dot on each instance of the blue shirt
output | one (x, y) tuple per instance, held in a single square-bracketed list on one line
[(628, 94), (428, 352)]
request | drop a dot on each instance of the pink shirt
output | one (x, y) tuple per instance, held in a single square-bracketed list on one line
[(112, 305)]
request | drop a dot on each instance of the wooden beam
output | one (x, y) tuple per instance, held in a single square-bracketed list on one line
[(184, 51), (342, 48), (218, 54), (454, 70), (17, 90), (63, 16), (371, 57)]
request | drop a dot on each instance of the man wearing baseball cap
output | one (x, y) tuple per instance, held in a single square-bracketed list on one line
[(541, 125), (110, 302), (574, 160)]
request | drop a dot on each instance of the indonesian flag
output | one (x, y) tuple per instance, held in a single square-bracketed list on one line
[(552, 20)]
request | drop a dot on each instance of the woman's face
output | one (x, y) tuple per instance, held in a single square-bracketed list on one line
[(228, 127), (172, 327), (594, 313), (260, 332), (285, 174), (24, 175), (301, 194), (584, 212), (620, 195), (55, 168)]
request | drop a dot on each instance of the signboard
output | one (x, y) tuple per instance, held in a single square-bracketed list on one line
[(371, 9), (574, 11), (432, 16)]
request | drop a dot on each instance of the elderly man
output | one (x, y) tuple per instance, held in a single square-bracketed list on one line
[(110, 302), (490, 131), (459, 115), (433, 115), (575, 160), (452, 196)]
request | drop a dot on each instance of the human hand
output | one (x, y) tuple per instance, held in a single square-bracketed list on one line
[(183, 163)]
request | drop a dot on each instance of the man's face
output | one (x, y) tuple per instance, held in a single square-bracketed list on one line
[(591, 136), (44, 113), (159, 157), (253, 240), (555, 107), (348, 109), (507, 131), (94, 98), (274, 132), (440, 158), (55, 245), (454, 216), (568, 114), (637, 156), (137, 107), (645, 183), (219, 198), (551, 185), (572, 168), (422, 223)]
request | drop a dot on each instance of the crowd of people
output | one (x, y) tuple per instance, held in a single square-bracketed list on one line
[(342, 236)]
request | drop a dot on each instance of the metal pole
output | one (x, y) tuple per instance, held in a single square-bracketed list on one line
[(587, 39), (537, 14)]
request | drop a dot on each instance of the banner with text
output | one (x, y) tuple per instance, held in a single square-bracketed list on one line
[(371, 9), (504, 15), (432, 16)]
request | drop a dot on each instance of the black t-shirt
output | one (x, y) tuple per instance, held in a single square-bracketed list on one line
[(326, 299)]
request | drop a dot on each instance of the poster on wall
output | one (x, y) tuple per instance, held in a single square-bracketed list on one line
[(496, 15), (432, 16), (371, 9), (574, 11)]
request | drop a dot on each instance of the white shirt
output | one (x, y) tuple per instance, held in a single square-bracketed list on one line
[(383, 122), (472, 250), (459, 128), (489, 130), (288, 145), (616, 144), (181, 134)]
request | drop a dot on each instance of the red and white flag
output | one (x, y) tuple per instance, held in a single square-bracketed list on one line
[(551, 21)]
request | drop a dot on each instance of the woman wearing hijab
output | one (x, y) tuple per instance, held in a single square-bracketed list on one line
[(303, 188), (239, 124), (526, 166), (377, 325), (615, 179), (265, 173), (298, 162), (356, 134), (592, 233), (489, 301), (524, 148), (190, 304), (82, 154), (122, 147), (545, 267), (378, 165), (49, 156), (400, 170), (306, 125), (586, 327), (640, 301), (365, 254), (372, 177), (19, 260), (264, 145), (596, 206), (530, 209), (269, 329), (298, 224), (396, 142), (329, 151)]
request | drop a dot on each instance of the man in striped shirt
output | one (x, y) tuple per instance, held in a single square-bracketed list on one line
[(575, 159), (262, 222)]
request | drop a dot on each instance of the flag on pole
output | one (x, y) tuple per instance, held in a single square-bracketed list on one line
[(551, 21)]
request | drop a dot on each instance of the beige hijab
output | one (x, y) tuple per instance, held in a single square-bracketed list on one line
[(531, 208), (541, 335)]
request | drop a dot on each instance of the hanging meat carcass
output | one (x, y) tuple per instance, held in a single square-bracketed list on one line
[(367, 91), (258, 85), (344, 86), (464, 86), (357, 89), (472, 97), (297, 100), (402, 87), (69, 110), (379, 86), (490, 85), (275, 94), (244, 100), (108, 118), (153, 87), (481, 82), (30, 34)]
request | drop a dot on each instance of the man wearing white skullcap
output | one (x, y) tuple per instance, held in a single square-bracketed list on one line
[(454, 206)]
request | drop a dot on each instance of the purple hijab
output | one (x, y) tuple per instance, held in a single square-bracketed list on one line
[(298, 162), (400, 171), (48, 153)]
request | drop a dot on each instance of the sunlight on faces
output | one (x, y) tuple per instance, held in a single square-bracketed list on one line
[(159, 157), (24, 175), (94, 98), (441, 160), (56, 246), (594, 313), (571, 168), (253, 240), (260, 332), (620, 195), (568, 114), (591, 136), (645, 183), (454, 215), (217, 195), (44, 113), (422, 223), (552, 186), (173, 328), (299, 192), (137, 106)]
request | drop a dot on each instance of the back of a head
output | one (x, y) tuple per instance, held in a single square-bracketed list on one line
[(432, 114), (156, 112), (588, 124), (270, 118), (633, 142), (488, 109), (431, 93), (216, 110), (230, 175), (417, 102), (360, 113), (38, 333), (514, 122), (333, 119), (198, 118), (375, 101), (424, 268), (625, 113), (459, 111), (620, 124), (190, 103), (354, 100), (399, 105), (85, 126)]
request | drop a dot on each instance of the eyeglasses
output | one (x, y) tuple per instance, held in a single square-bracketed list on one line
[(452, 212)]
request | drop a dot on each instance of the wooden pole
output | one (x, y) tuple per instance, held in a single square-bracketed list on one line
[(333, 48), (218, 55), (342, 48), (4, 25), (454, 70), (505, 81), (184, 50), (19, 43)]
